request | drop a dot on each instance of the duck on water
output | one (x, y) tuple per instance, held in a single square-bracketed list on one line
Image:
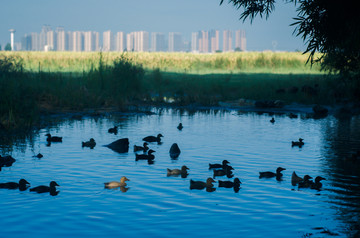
[(22, 185), (153, 138), (269, 174)]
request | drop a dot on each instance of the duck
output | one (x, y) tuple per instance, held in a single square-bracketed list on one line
[(46, 189), (6, 161), (306, 182), (39, 156), (113, 130), (201, 185), (116, 184), (120, 145), (222, 172), (91, 143), (153, 138), (229, 184), (272, 120), (180, 126), (53, 138), (219, 166), (177, 172), (22, 185), (317, 185), (269, 174), (292, 115), (174, 151), (149, 156), (143, 148), (297, 143), (295, 179)]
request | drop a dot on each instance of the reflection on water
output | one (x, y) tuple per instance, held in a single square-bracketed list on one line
[(159, 202)]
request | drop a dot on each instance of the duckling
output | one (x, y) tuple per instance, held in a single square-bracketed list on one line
[(219, 166), (229, 184), (113, 130), (153, 138), (53, 138), (6, 161), (180, 126), (306, 182), (299, 143), (39, 156), (269, 174), (46, 189), (149, 156), (221, 172), (295, 179), (115, 184), (201, 185), (22, 185), (143, 148), (91, 143), (317, 185), (177, 172), (272, 120)]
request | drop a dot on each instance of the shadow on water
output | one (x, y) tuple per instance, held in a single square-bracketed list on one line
[(341, 143)]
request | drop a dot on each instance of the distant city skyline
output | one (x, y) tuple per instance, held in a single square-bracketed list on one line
[(185, 17)]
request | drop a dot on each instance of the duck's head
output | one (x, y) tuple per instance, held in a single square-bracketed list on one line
[(184, 167), (279, 169), (23, 181), (151, 151), (53, 184), (123, 179), (229, 168), (307, 177), (225, 162), (159, 135), (48, 135), (145, 144), (237, 181), (210, 180), (319, 178), (92, 140), (301, 139)]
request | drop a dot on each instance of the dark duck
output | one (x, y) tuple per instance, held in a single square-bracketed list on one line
[(269, 174), (46, 189), (143, 148), (272, 120), (113, 130), (149, 156), (306, 182), (176, 172), (6, 161), (222, 172), (22, 185), (91, 143), (219, 166), (299, 143), (317, 185), (180, 126), (153, 138), (230, 184), (53, 138), (201, 185)]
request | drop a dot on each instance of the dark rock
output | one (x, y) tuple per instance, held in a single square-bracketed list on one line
[(174, 151), (120, 145)]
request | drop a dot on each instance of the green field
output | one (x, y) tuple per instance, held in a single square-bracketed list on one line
[(35, 82)]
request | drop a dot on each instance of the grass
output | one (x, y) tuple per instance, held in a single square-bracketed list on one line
[(36, 82)]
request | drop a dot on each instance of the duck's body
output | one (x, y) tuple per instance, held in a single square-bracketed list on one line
[(39, 156), (297, 143), (149, 156), (174, 151), (22, 185), (295, 179), (45, 189), (201, 185), (6, 161), (143, 148), (91, 143), (272, 120), (176, 172), (180, 126), (269, 174), (53, 138), (116, 184), (306, 182), (113, 130), (222, 172), (230, 184), (219, 166), (153, 138)]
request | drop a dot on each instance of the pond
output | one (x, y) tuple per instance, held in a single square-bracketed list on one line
[(155, 205)]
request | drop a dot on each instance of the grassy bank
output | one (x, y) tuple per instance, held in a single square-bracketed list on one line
[(52, 81)]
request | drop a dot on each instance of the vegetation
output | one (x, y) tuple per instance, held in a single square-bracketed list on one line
[(327, 27), (32, 83)]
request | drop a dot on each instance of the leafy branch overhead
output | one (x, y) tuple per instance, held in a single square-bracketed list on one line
[(326, 26)]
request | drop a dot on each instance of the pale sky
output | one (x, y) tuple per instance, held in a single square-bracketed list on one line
[(184, 16)]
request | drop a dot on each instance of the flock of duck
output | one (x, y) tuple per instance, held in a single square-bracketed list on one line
[(122, 145)]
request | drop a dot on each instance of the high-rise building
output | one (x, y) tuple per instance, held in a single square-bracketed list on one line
[(158, 42), (203, 41), (130, 41), (50, 41), (119, 41), (43, 37), (70, 41), (227, 41), (26, 43), (214, 40), (240, 40), (78, 41), (35, 41), (175, 42), (195, 41), (141, 41), (60, 39), (91, 41), (108, 41)]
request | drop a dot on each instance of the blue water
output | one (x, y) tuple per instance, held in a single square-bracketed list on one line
[(159, 206)]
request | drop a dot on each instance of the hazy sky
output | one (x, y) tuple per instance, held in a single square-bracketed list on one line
[(183, 16)]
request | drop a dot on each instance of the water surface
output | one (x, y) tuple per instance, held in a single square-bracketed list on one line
[(159, 206)]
